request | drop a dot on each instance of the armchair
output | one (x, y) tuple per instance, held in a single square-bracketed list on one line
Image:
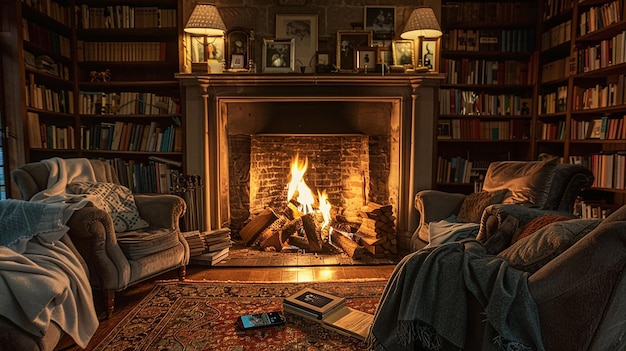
[(543, 186), (117, 260)]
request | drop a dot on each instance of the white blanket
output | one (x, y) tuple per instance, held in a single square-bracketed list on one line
[(63, 172), (41, 280)]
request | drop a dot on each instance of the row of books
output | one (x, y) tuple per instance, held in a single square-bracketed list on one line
[(54, 9), (125, 16), (593, 209), (142, 51), (600, 95), (599, 128), (609, 52), (487, 11), (209, 247), (552, 131), (330, 311), (126, 103), (552, 8), (145, 177), (41, 97), (46, 39), (455, 170), (49, 136), (128, 136), (601, 16), (497, 40), (553, 102), (476, 129), (466, 71), (467, 102), (608, 169), (46, 64), (557, 35), (557, 69)]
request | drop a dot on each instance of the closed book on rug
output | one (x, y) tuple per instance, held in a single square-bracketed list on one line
[(330, 311)]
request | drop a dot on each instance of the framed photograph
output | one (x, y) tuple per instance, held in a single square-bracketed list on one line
[(206, 49), (323, 58), (403, 52), (381, 20), (238, 49), (430, 54), (444, 130), (366, 59), (279, 55), (384, 55), (303, 29), (347, 43)]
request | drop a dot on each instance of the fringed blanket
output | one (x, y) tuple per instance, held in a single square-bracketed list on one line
[(426, 300), (41, 279), (63, 172)]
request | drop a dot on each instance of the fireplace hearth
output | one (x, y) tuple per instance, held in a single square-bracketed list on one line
[(237, 122)]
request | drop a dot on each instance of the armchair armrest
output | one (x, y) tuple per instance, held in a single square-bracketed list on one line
[(93, 234), (588, 281), (432, 206), (161, 211)]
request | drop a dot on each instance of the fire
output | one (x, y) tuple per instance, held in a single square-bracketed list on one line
[(305, 197)]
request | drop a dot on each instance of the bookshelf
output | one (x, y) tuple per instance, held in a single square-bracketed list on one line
[(99, 83), (588, 113), (485, 111)]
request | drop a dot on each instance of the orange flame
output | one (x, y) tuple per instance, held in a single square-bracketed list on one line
[(305, 198)]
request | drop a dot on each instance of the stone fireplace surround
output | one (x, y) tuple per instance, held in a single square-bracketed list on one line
[(221, 106)]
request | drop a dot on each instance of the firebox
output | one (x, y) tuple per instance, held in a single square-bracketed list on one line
[(365, 138)]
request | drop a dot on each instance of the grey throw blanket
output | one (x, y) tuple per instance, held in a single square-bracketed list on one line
[(426, 300)]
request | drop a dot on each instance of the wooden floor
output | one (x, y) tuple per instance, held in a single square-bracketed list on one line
[(127, 299)]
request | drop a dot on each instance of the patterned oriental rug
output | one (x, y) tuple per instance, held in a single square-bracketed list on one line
[(201, 315)]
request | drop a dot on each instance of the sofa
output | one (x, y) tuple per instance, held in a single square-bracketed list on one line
[(557, 283), (546, 186)]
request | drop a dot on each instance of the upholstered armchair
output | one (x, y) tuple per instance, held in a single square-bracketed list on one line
[(150, 244), (539, 187)]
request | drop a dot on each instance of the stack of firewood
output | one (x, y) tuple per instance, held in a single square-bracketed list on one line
[(377, 232)]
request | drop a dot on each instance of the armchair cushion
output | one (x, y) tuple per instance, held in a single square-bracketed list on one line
[(535, 251), (117, 200), (474, 204), (529, 183), (141, 243)]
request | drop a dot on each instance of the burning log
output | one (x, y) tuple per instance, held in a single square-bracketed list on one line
[(271, 236), (292, 212), (251, 231), (349, 246), (299, 241), (313, 232)]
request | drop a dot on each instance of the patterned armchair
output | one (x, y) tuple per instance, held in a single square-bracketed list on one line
[(150, 245)]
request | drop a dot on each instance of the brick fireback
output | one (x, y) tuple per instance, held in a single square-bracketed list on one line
[(351, 168)]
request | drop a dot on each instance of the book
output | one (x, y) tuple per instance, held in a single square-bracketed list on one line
[(330, 311), (210, 258)]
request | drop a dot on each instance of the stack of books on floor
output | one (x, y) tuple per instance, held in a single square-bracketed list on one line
[(195, 242), (330, 311), (215, 247)]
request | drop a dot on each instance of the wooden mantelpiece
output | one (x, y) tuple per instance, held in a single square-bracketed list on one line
[(411, 99)]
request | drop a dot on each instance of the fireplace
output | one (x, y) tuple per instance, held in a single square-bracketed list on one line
[(366, 138)]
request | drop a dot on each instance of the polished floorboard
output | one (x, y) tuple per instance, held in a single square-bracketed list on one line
[(127, 299)]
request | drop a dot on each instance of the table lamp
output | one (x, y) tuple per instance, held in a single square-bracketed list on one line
[(421, 24), (205, 21)]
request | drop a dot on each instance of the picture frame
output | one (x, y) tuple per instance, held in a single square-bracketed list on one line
[(279, 55), (239, 49), (323, 58), (430, 54), (206, 48), (384, 55), (444, 130), (403, 52), (381, 20), (366, 59), (347, 42), (303, 28)]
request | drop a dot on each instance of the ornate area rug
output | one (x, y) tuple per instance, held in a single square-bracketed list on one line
[(177, 316)]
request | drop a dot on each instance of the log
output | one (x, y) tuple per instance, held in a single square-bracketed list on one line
[(299, 241), (251, 231), (351, 248), (292, 212), (313, 232), (272, 230)]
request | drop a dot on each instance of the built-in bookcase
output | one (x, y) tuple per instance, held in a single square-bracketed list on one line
[(99, 83), (488, 55)]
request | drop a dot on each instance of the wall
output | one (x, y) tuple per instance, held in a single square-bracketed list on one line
[(333, 16)]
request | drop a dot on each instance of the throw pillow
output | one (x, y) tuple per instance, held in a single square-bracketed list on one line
[(534, 225), (535, 251), (474, 204), (117, 200), (529, 183)]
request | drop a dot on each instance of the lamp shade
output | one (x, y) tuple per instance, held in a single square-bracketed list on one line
[(205, 20), (422, 23)]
